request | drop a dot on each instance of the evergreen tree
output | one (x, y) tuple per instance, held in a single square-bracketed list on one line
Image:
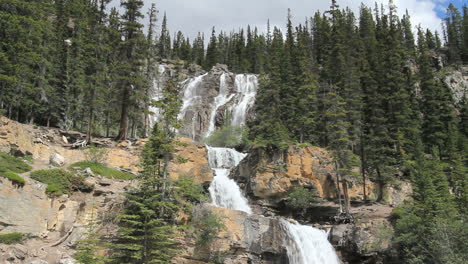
[(212, 53), (131, 57), (164, 40)]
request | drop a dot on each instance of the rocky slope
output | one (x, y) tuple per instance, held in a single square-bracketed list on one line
[(55, 225)]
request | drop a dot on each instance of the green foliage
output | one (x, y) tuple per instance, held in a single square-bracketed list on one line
[(188, 192), (60, 181), (87, 250), (13, 164), (12, 238), (430, 229), (300, 199), (103, 170), (228, 136), (14, 178), (96, 155), (207, 225)]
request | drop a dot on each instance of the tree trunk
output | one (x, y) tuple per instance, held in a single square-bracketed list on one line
[(123, 130), (107, 123), (338, 186), (89, 132), (346, 196), (381, 185), (363, 169)]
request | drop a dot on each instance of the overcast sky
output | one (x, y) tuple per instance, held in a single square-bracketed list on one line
[(192, 16)]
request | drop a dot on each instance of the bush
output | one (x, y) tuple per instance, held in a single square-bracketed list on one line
[(188, 192), (11, 238), (13, 164), (103, 170), (60, 181), (14, 178), (227, 136), (207, 225), (96, 155), (300, 199)]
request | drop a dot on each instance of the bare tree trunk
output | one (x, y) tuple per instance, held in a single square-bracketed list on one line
[(381, 185), (363, 169), (346, 196), (338, 186), (107, 123), (89, 132), (123, 130)]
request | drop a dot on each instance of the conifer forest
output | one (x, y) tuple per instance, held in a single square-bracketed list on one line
[(174, 147)]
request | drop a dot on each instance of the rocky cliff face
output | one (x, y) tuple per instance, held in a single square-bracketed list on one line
[(245, 239), (457, 81), (54, 225), (208, 98)]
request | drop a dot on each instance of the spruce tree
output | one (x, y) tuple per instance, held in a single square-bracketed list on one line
[(132, 52)]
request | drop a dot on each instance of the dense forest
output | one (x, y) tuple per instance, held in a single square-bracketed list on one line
[(369, 87)]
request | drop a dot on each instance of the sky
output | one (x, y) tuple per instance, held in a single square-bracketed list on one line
[(192, 16)]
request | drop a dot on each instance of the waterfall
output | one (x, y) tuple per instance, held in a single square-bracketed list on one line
[(192, 96), (157, 94), (221, 99), (308, 245), (224, 191), (246, 87), (305, 244)]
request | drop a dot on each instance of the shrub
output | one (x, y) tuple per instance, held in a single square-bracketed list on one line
[(207, 225), (11, 238), (300, 199), (96, 155), (14, 178), (189, 192), (60, 181), (13, 164), (103, 170), (227, 136)]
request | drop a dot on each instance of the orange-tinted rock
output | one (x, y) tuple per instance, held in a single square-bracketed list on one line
[(190, 160)]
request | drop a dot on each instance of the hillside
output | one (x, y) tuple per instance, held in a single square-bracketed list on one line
[(342, 139)]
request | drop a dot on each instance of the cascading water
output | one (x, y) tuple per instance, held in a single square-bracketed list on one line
[(224, 191), (305, 244), (246, 86), (158, 94), (221, 99), (192, 96), (308, 245)]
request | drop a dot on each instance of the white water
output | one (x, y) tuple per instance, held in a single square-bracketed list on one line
[(192, 96), (158, 95), (305, 245), (224, 191), (308, 245), (221, 99), (246, 87)]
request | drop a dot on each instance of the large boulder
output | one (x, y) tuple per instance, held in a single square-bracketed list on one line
[(56, 160)]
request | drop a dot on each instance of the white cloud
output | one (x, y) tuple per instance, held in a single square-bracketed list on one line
[(191, 16)]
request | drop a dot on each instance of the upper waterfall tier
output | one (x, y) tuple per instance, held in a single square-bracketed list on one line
[(214, 99)]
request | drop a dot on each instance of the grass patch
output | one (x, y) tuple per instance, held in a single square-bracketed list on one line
[(103, 170), (11, 238), (13, 164), (60, 181), (14, 178)]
